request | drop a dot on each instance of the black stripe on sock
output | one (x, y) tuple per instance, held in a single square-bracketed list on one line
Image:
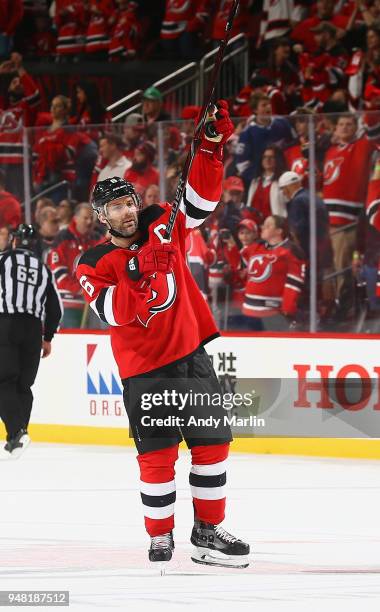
[(207, 482), (158, 501)]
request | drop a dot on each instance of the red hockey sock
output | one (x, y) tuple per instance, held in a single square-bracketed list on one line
[(207, 479), (157, 488)]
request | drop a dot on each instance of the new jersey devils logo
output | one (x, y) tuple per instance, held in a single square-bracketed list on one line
[(331, 170), (163, 294), (260, 267), (299, 165)]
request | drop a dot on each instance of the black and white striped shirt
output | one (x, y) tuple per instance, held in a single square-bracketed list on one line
[(27, 287)]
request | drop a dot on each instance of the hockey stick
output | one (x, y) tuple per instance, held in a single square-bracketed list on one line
[(203, 115)]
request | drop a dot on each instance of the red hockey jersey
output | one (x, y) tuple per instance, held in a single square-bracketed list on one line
[(101, 21), (182, 15), (125, 34), (240, 23), (16, 116), (71, 18), (10, 210), (168, 318), (345, 179), (275, 278), (68, 247), (373, 203)]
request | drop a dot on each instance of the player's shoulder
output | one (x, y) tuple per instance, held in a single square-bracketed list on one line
[(96, 253), (151, 214)]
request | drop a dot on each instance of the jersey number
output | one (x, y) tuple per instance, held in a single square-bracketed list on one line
[(27, 274), (87, 285)]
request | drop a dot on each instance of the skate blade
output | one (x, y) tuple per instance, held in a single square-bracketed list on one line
[(216, 558), (17, 452), (161, 566)]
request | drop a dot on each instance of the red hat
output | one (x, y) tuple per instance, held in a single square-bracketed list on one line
[(233, 183), (249, 224)]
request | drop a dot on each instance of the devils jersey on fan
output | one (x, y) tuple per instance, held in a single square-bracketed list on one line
[(345, 177), (168, 319), (373, 203), (275, 278)]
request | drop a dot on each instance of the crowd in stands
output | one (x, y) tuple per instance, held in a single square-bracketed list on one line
[(314, 64)]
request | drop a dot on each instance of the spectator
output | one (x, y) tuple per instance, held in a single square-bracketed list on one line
[(264, 196), (42, 42), (259, 84), (142, 173), (302, 33), (152, 103), (111, 149), (5, 238), (261, 132), (21, 103), (99, 27), (86, 105), (199, 256), (274, 277), (182, 27), (126, 33), (151, 196), (62, 153), (10, 207), (68, 246), (65, 213), (281, 71), (349, 156), (40, 204), (48, 227), (365, 264), (70, 21), (233, 200), (240, 24), (10, 16), (298, 206), (133, 133), (324, 71), (247, 234)]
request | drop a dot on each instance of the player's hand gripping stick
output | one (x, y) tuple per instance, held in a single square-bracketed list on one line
[(151, 258)]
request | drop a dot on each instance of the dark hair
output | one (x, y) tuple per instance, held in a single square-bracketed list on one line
[(2, 177), (93, 104), (282, 224), (114, 139), (256, 98), (280, 166)]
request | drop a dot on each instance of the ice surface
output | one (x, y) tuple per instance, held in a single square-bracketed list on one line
[(71, 519)]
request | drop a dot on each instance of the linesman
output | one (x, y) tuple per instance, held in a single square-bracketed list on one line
[(30, 312)]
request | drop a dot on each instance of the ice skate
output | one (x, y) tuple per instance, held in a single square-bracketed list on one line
[(215, 546), (15, 446), (161, 550)]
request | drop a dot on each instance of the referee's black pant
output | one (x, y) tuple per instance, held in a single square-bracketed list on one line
[(20, 351)]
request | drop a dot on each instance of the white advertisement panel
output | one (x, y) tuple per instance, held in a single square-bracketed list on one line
[(79, 383)]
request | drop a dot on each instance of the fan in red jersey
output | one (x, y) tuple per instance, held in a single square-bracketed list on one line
[(141, 285), (345, 198), (275, 276)]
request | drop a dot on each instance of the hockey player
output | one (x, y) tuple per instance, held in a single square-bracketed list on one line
[(159, 322)]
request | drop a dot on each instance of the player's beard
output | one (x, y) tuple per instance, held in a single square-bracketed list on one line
[(126, 228)]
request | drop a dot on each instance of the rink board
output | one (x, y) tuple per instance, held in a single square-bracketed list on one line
[(78, 391)]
